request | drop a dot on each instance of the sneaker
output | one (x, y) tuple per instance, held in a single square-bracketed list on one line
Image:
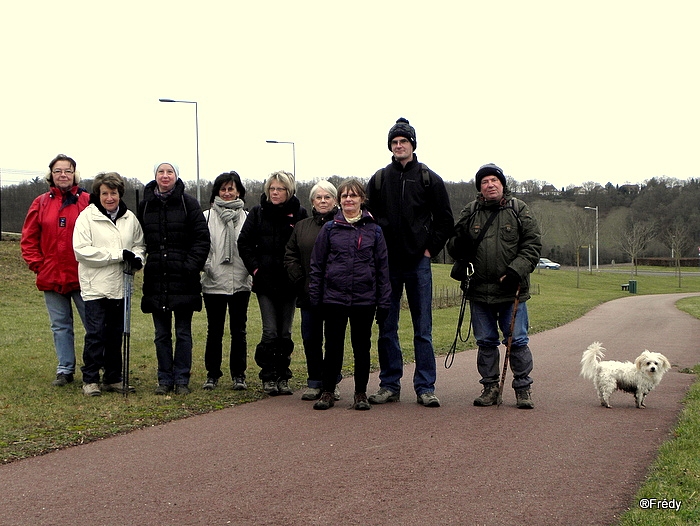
[(210, 384), (283, 387), (163, 389), (239, 384), (270, 388), (428, 399), (325, 402), (182, 389), (383, 396), (117, 387), (336, 392), (91, 390), (523, 399), (361, 403), (489, 395), (62, 379), (311, 393)]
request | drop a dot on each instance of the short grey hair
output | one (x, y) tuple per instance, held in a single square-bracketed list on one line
[(324, 185)]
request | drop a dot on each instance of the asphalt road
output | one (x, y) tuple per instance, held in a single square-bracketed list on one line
[(569, 461)]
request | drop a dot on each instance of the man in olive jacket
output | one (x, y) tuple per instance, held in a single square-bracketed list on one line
[(503, 259)]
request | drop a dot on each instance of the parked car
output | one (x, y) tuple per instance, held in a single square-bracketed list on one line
[(548, 263)]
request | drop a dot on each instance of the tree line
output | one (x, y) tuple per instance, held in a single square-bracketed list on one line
[(660, 218)]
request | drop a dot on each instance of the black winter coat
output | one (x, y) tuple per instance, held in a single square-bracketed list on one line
[(414, 217), (262, 243), (177, 245)]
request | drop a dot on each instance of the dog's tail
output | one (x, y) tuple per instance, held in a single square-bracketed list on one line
[(590, 360)]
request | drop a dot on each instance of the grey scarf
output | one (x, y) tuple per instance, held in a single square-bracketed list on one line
[(228, 212)]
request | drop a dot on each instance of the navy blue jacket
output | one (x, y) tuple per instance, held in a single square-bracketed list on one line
[(349, 264)]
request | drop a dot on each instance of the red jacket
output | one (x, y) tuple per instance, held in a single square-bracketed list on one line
[(47, 238)]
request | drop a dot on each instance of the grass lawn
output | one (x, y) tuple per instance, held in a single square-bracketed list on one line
[(36, 418)]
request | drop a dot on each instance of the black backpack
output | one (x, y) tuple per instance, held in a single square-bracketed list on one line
[(424, 170)]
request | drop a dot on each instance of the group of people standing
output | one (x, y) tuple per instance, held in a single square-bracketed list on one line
[(348, 263)]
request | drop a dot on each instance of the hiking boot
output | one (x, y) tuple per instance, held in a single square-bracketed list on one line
[(163, 389), (182, 389), (428, 399), (361, 402), (62, 379), (383, 396), (489, 395), (239, 384), (210, 384), (311, 393), (270, 388), (336, 392), (91, 390), (117, 387), (283, 387), (325, 402), (523, 399)]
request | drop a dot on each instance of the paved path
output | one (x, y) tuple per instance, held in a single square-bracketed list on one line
[(569, 461)]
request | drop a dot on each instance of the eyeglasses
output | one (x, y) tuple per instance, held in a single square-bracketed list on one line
[(349, 196), (59, 172), (279, 189)]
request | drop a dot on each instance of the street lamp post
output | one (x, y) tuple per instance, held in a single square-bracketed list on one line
[(196, 131), (596, 233), (294, 154)]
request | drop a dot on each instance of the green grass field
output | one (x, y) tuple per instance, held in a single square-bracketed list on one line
[(36, 418)]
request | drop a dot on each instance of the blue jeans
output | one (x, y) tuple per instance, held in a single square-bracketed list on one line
[(104, 326), (173, 369), (216, 305), (61, 318), (418, 281), (487, 319)]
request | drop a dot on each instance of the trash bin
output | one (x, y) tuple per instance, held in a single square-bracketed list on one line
[(633, 286)]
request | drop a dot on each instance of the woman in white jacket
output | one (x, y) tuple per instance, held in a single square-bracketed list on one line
[(226, 282), (106, 235)]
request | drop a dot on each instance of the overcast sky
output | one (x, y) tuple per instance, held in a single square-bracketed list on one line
[(558, 91)]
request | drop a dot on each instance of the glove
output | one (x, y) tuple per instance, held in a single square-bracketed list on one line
[(130, 258), (381, 315), (510, 280)]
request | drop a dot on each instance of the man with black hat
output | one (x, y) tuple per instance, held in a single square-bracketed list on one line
[(499, 236), (411, 205)]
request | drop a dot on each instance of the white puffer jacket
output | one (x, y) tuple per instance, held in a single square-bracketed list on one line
[(98, 244), (218, 277)]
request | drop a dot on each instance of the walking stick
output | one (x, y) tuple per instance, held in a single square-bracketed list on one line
[(126, 342), (510, 342)]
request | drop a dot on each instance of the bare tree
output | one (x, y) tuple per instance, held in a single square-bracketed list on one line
[(677, 239), (634, 238), (578, 230)]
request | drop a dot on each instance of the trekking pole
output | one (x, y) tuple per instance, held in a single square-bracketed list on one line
[(510, 342), (126, 343)]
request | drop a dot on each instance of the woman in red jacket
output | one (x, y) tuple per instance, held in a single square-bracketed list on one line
[(47, 247)]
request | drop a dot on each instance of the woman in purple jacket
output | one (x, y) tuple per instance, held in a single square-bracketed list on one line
[(350, 279)]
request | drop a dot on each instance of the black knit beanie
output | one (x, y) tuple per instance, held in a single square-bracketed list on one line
[(489, 169), (402, 129)]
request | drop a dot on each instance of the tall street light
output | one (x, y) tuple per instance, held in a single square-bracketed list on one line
[(196, 131), (596, 233), (294, 154)]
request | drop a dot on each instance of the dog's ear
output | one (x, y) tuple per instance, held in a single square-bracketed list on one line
[(664, 362), (640, 359)]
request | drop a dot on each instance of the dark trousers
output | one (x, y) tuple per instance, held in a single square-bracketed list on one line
[(216, 305), (173, 368), (104, 325), (336, 319)]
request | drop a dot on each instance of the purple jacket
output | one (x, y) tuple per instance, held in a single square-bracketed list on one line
[(349, 264)]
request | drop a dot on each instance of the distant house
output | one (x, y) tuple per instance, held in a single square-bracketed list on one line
[(549, 189), (629, 189)]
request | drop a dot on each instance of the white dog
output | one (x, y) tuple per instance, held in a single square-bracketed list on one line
[(638, 378)]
